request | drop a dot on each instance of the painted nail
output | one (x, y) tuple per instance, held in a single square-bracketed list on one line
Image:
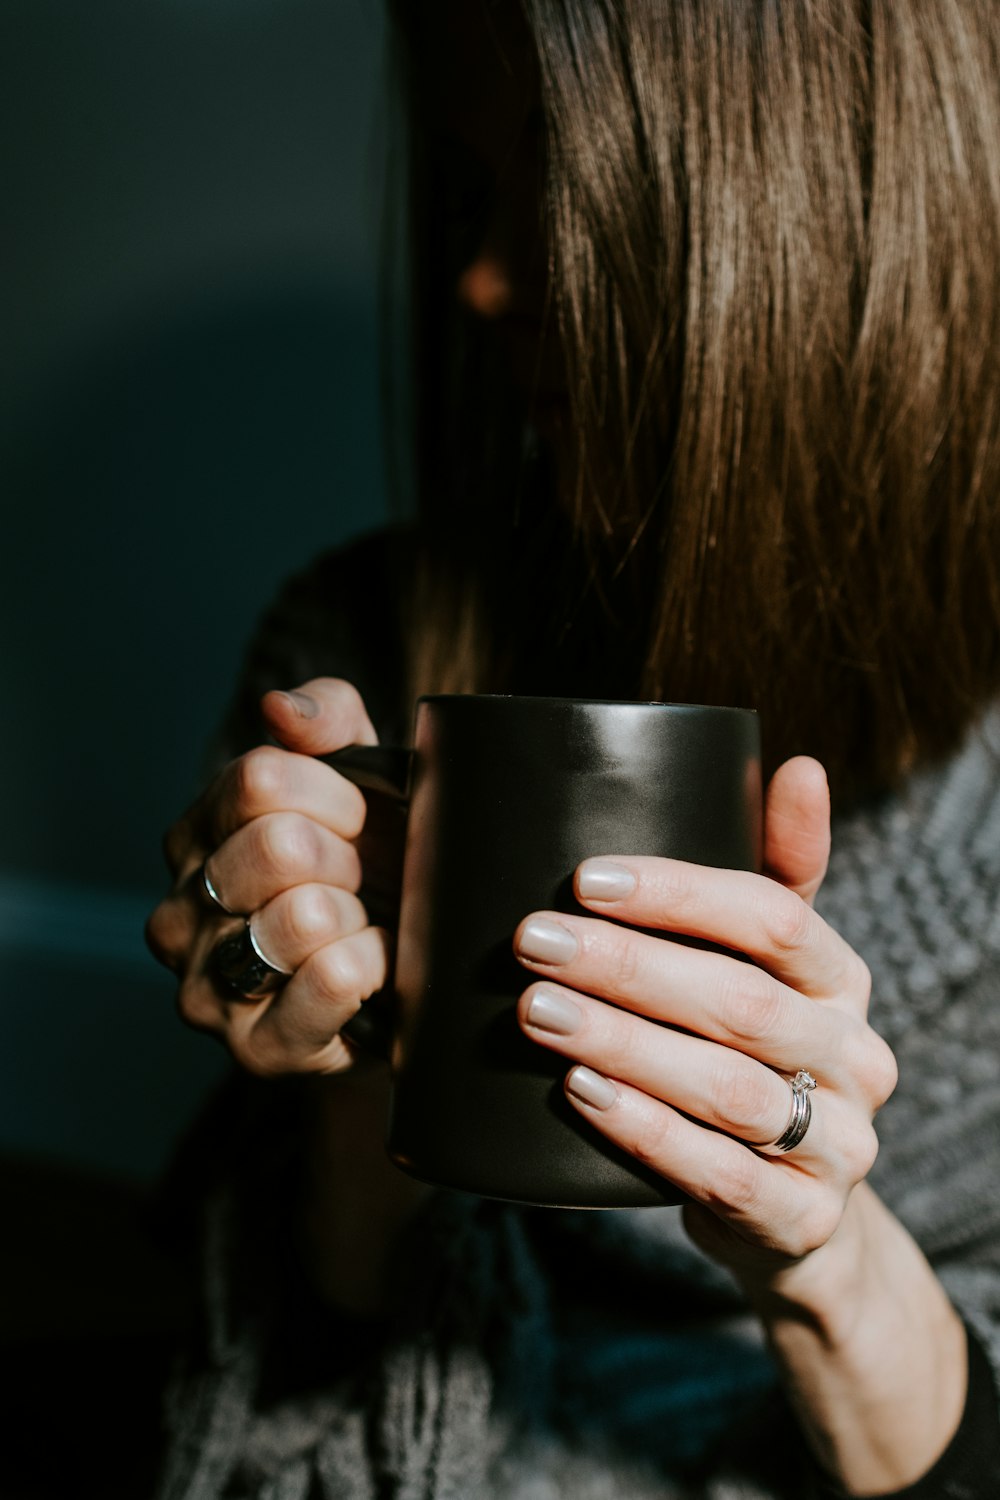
[(305, 706), (547, 942), (592, 1088), (549, 1012), (606, 881)]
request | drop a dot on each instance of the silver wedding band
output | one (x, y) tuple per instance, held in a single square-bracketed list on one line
[(212, 893), (801, 1086)]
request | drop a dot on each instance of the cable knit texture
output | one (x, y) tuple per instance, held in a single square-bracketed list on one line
[(540, 1354)]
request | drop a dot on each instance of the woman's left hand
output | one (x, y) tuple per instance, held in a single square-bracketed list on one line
[(688, 1067)]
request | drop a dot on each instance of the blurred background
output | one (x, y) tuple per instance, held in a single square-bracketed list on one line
[(189, 410), (191, 192)]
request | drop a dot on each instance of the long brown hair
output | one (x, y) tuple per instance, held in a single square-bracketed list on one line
[(774, 241)]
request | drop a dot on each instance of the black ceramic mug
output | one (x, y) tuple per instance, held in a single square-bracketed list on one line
[(506, 795)]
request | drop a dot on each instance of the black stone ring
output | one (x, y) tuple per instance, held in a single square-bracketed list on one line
[(241, 968)]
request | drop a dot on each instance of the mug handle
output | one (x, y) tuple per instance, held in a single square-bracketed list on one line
[(374, 768)]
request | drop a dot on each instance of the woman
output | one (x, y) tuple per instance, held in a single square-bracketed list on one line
[(706, 331)]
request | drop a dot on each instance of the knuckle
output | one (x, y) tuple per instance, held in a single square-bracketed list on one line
[(734, 1183), (673, 886), (340, 972), (753, 1007), (289, 845), (860, 1151), (160, 935), (740, 1096), (815, 1223), (259, 779), (197, 1007), (352, 913), (651, 1143), (627, 960), (625, 1052), (882, 1071), (354, 811), (310, 917), (872, 1065), (788, 920), (350, 876)]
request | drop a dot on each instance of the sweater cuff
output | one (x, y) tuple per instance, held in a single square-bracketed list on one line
[(968, 1467)]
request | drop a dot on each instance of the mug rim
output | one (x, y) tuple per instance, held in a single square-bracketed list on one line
[(542, 699)]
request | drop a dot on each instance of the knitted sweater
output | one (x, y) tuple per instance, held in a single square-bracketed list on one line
[(540, 1353)]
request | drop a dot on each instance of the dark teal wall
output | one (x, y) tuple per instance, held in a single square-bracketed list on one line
[(189, 411)]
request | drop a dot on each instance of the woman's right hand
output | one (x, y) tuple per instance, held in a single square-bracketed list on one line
[(284, 839)]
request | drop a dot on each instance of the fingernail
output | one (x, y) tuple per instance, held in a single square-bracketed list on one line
[(606, 881), (591, 1087), (547, 942), (556, 1013), (303, 705)]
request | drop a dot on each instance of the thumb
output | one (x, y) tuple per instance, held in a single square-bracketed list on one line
[(322, 715), (797, 826)]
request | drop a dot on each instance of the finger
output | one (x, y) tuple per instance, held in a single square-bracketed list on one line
[(172, 925), (786, 1211), (268, 780), (201, 1002), (323, 715), (168, 933), (751, 914), (709, 994), (797, 826), (320, 716), (298, 1031), (721, 1087), (276, 852), (296, 923)]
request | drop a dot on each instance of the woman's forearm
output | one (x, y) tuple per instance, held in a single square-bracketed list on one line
[(872, 1351)]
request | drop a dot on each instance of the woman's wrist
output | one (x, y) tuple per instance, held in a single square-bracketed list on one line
[(873, 1353), (828, 1290)]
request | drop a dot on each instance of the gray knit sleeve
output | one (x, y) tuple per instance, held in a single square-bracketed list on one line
[(939, 1170), (914, 886)]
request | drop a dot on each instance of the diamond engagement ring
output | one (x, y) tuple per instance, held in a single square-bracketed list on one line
[(801, 1086)]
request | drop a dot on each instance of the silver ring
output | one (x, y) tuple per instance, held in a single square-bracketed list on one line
[(801, 1086), (212, 893), (242, 967)]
